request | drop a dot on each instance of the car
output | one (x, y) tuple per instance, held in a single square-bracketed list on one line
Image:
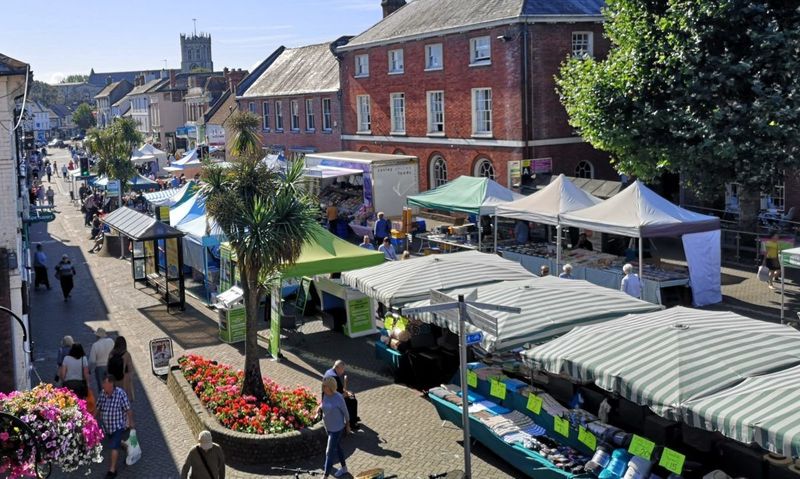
[(77, 138)]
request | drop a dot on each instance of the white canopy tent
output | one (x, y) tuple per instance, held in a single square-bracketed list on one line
[(639, 212), (189, 160), (148, 153), (546, 206)]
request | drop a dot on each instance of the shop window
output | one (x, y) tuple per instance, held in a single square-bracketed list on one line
[(438, 171), (484, 168), (584, 170)]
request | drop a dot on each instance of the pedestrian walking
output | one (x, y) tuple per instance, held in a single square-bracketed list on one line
[(204, 461), (114, 410), (383, 229), (74, 371), (337, 421), (63, 350), (631, 284), (40, 197), (64, 172), (55, 168), (98, 356), (65, 273), (49, 172), (40, 268), (337, 372), (120, 366), (51, 196)]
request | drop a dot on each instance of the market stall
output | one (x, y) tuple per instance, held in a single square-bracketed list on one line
[(189, 164), (152, 155), (137, 183), (638, 212), (465, 194), (789, 258)]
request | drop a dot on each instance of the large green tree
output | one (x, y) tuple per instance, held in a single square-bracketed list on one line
[(707, 89), (74, 78), (113, 147), (82, 116), (45, 93), (266, 216)]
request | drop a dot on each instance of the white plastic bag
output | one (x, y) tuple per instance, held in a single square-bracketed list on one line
[(763, 274), (134, 450)]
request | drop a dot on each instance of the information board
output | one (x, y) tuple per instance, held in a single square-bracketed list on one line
[(359, 316)]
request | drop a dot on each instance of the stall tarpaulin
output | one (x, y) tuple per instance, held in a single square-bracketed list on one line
[(703, 256), (550, 307), (191, 208), (465, 194), (148, 153), (172, 196), (325, 253), (545, 206)]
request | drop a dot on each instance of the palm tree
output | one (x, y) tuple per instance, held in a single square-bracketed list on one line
[(113, 146), (265, 216)]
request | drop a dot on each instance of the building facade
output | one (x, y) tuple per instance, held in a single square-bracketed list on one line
[(296, 96), (471, 92), (140, 104), (196, 52), (105, 100)]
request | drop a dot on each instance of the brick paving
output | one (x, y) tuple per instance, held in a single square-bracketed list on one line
[(402, 432)]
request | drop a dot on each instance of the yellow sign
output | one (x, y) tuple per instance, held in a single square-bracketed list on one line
[(561, 426), (472, 379), (641, 447), (672, 461), (497, 389), (534, 403), (587, 438)]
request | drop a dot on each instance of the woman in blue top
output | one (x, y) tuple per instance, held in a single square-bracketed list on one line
[(337, 421)]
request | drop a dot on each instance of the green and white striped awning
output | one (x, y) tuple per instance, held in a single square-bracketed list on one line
[(761, 409), (791, 257), (396, 283), (665, 359), (550, 307)]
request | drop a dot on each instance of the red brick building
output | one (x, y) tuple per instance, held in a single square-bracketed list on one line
[(467, 86), (296, 95)]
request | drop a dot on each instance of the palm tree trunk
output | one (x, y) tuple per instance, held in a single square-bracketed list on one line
[(253, 384)]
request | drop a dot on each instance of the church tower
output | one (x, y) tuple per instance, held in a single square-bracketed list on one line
[(196, 52)]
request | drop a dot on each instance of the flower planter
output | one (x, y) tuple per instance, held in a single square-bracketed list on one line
[(240, 447)]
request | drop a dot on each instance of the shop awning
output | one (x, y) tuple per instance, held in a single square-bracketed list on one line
[(465, 194), (189, 209), (791, 257), (325, 172), (397, 283), (559, 197), (665, 359), (139, 226), (550, 307), (172, 196), (325, 253)]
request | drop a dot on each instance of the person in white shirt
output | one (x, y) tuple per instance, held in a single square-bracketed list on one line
[(98, 356), (631, 284), (388, 250)]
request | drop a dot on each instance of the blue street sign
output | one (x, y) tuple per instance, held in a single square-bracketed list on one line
[(473, 338)]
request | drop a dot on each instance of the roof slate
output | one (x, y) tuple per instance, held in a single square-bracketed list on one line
[(11, 66), (429, 16), (147, 87), (298, 71)]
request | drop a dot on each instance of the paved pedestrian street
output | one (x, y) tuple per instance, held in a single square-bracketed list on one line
[(402, 433)]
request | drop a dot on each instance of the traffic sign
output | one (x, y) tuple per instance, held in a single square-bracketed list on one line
[(474, 338)]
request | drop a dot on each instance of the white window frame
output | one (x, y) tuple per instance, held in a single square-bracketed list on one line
[(587, 163), (396, 65), (250, 106), (474, 59), (326, 115), (429, 49), (397, 108), (311, 124), (435, 125), (363, 115), (265, 116), (482, 166), (362, 65), (294, 115), (481, 116), (278, 115), (437, 179), (582, 44)]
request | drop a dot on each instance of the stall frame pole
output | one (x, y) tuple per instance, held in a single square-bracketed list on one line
[(558, 251), (495, 233), (783, 307), (462, 360), (641, 267)]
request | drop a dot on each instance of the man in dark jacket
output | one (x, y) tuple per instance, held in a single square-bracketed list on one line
[(337, 372)]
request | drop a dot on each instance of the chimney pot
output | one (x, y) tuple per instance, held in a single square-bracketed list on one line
[(391, 6)]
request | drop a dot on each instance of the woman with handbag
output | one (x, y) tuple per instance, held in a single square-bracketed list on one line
[(74, 371)]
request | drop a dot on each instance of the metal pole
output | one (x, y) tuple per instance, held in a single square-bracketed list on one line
[(479, 231), (782, 291), (495, 233), (462, 350), (558, 251), (641, 266)]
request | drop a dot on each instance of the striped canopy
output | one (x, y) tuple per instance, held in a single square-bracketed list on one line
[(664, 360), (399, 282), (550, 307)]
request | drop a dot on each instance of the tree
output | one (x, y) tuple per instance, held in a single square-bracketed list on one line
[(82, 116), (45, 94), (113, 147), (266, 217), (74, 78), (706, 89)]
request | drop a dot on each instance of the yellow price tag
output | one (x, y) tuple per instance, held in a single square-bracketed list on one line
[(534, 403), (472, 379), (641, 447), (672, 461), (497, 389), (561, 426), (587, 438)]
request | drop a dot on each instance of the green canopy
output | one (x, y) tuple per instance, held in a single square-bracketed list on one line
[(326, 254), (466, 194)]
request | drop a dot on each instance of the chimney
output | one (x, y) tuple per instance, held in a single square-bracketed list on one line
[(234, 77), (172, 82), (108, 80), (391, 6)]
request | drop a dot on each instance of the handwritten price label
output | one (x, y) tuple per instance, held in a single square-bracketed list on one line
[(672, 461), (498, 389), (534, 403), (561, 426), (472, 379), (641, 447), (587, 438)]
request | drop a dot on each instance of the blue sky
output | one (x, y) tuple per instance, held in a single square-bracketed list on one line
[(62, 37)]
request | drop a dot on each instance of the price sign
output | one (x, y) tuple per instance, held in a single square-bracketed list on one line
[(534, 403), (672, 461), (498, 389), (641, 447), (587, 438), (561, 426), (472, 379)]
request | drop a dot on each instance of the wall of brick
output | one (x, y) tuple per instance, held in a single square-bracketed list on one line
[(566, 159)]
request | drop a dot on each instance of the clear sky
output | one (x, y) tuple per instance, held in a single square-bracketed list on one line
[(59, 37)]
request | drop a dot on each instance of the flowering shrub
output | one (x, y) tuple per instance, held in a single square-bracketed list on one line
[(219, 388), (66, 430)]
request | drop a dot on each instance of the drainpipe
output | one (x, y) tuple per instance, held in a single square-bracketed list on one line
[(526, 94)]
